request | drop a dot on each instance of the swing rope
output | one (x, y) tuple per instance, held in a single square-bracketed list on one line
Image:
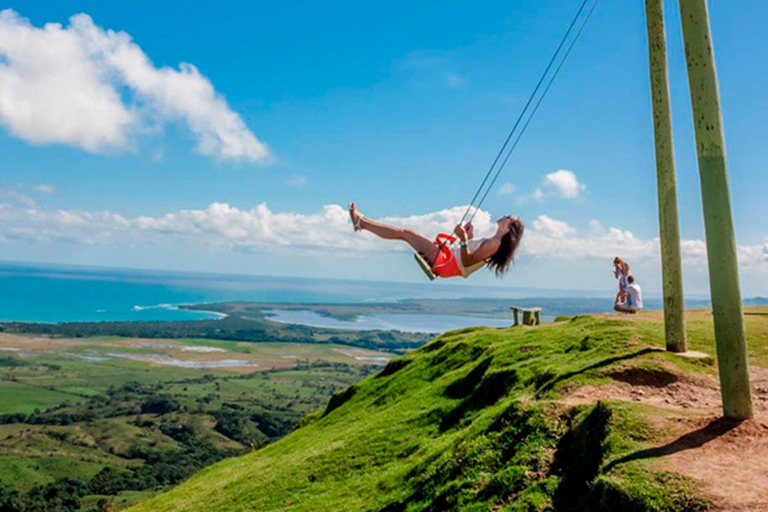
[(523, 113), (447, 239), (535, 109)]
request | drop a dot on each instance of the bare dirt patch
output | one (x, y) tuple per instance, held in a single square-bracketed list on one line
[(729, 459), (645, 377), (30, 343), (668, 389)]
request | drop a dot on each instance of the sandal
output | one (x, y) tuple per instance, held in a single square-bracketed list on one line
[(356, 217)]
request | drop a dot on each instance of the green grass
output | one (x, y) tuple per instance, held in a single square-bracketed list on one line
[(18, 397), (31, 471), (474, 421), (700, 331), (123, 500), (96, 376)]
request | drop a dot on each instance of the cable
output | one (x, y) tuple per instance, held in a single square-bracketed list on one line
[(525, 108), (533, 112)]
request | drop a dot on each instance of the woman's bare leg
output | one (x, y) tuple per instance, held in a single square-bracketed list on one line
[(416, 240)]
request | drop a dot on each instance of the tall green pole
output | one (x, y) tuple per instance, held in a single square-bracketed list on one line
[(672, 274), (718, 222)]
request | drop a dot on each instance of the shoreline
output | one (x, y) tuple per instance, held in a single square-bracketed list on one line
[(192, 308), (167, 307)]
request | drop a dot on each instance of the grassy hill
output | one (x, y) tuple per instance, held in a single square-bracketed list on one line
[(583, 414)]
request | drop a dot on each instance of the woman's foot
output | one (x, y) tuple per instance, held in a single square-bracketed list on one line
[(356, 216)]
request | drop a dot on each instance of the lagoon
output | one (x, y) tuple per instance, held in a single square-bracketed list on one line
[(385, 321)]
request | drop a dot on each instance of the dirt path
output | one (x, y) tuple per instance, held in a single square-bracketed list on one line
[(729, 458)]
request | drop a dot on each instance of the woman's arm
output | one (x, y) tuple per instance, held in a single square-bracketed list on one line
[(468, 258), (487, 249)]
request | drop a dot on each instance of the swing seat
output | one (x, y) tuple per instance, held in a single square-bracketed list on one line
[(425, 266)]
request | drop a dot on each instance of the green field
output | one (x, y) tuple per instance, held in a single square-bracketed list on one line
[(49, 371), (507, 420), (33, 470), (18, 397), (71, 407)]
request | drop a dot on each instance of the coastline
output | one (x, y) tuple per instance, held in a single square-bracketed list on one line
[(191, 307)]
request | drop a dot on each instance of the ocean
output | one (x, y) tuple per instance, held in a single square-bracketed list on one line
[(52, 293)]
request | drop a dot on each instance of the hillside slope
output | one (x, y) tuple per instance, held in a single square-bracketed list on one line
[(583, 414)]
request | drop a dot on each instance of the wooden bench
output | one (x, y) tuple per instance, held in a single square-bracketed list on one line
[(531, 316)]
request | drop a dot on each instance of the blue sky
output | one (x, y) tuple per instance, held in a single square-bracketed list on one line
[(400, 106)]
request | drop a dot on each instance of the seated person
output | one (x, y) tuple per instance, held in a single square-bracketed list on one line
[(634, 298), (496, 252)]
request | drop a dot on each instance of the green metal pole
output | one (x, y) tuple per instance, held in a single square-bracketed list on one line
[(672, 274), (718, 222)]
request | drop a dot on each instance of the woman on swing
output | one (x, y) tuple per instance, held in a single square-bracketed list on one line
[(496, 252)]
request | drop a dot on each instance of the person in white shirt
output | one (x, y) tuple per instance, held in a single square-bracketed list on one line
[(634, 301)]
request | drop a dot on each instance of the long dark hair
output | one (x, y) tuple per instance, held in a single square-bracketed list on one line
[(500, 261)]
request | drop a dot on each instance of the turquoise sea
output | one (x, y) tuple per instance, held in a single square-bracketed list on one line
[(52, 293), (48, 293)]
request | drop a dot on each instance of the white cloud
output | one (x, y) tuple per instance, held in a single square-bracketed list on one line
[(553, 238), (443, 221), (66, 85), (296, 181), (565, 183), (507, 188), (222, 227), (596, 227), (556, 239), (552, 228), (694, 251), (560, 183), (15, 194), (754, 253), (44, 188), (52, 91), (39, 225)]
